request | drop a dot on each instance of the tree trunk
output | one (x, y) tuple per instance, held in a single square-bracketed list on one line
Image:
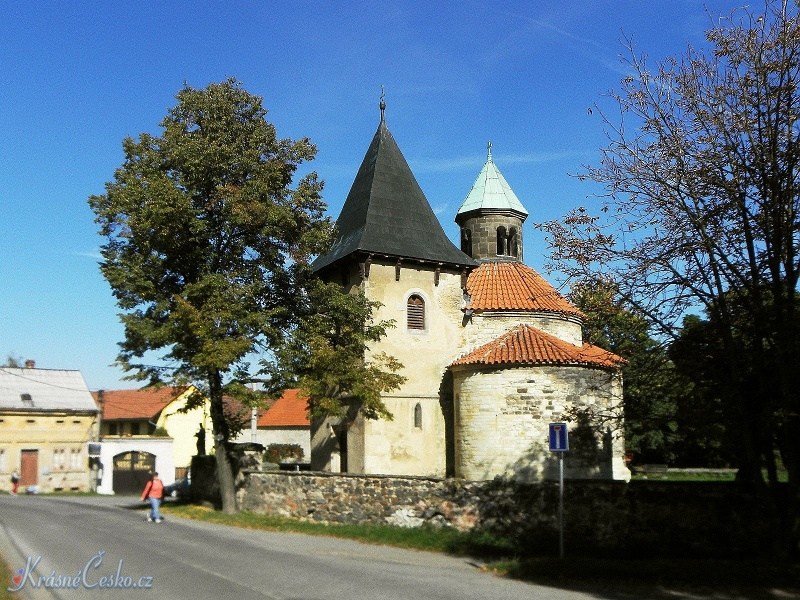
[(221, 439)]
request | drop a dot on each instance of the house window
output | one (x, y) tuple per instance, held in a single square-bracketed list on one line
[(415, 312), (418, 416), (27, 400), (58, 458), (3, 460), (501, 241), (135, 429), (112, 429), (75, 458)]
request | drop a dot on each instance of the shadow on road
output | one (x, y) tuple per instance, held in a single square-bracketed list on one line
[(665, 579)]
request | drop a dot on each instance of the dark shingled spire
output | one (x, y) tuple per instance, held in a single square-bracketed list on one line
[(386, 212)]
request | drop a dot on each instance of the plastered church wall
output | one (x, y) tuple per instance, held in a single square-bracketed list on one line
[(398, 446), (502, 417), (484, 327)]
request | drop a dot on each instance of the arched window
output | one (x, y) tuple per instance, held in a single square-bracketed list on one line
[(415, 312), (466, 241), (513, 243), (418, 416), (501, 241)]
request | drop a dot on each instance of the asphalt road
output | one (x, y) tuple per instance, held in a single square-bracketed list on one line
[(102, 547)]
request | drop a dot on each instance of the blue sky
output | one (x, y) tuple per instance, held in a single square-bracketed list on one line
[(78, 77)]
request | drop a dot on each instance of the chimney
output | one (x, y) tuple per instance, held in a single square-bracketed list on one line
[(30, 364)]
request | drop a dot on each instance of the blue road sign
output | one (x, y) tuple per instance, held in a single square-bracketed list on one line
[(559, 439)]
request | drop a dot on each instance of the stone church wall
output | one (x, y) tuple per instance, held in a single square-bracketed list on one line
[(502, 418)]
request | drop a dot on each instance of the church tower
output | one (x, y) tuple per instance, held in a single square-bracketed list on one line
[(391, 247), (491, 218)]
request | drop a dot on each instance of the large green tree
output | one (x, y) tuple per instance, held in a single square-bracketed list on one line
[(207, 239), (669, 416), (650, 392), (702, 205)]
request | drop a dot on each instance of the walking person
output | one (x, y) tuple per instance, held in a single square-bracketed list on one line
[(154, 493), (14, 482)]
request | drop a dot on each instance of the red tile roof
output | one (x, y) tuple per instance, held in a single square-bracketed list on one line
[(144, 403), (290, 410), (514, 286), (526, 345)]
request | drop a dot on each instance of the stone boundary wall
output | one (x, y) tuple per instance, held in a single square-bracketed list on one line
[(341, 498), (637, 519)]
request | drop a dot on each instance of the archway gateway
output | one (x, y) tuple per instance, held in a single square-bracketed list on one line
[(131, 471)]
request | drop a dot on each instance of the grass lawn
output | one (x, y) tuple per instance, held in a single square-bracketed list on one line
[(622, 578)]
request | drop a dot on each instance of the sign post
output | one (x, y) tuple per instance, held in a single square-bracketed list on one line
[(559, 443)]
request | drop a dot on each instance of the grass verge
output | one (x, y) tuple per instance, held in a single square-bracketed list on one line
[(5, 579), (621, 578), (419, 538)]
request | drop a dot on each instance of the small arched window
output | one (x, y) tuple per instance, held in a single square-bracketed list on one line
[(466, 241), (513, 243), (418, 416), (415, 312), (501, 241)]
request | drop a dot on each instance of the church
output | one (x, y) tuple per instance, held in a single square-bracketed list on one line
[(491, 351)]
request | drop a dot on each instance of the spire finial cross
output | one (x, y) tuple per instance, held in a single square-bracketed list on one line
[(382, 104), (489, 150)]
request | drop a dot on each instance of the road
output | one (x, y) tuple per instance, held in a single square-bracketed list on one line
[(102, 547)]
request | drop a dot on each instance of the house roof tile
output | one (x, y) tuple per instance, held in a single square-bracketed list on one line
[(514, 286), (290, 410), (145, 403), (526, 345)]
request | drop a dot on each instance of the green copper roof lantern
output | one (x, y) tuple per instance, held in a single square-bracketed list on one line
[(491, 192)]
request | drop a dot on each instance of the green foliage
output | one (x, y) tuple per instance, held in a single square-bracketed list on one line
[(278, 453), (652, 390), (328, 355), (204, 234), (701, 214), (160, 432)]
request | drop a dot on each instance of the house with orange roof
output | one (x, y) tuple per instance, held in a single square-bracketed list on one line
[(285, 422), (493, 353), (146, 430)]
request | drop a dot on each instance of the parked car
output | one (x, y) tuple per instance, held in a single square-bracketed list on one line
[(182, 488)]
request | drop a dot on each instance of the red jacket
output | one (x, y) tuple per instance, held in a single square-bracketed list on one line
[(153, 489)]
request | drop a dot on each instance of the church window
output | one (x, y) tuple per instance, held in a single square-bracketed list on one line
[(501, 241), (513, 243), (466, 241), (418, 416), (415, 312)]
